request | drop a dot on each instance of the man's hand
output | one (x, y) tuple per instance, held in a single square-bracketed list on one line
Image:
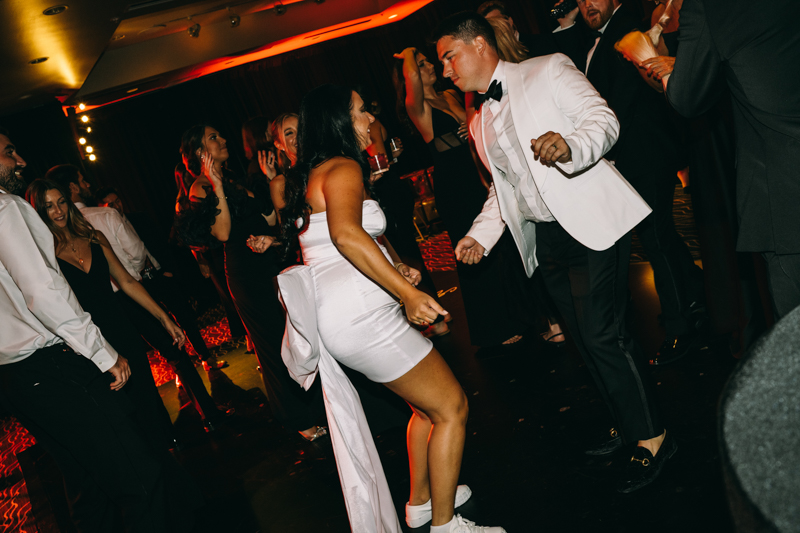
[(121, 372), (550, 148), (658, 67), (411, 275), (570, 17), (469, 251)]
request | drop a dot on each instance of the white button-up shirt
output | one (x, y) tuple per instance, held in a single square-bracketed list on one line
[(505, 153), (37, 307), (128, 247)]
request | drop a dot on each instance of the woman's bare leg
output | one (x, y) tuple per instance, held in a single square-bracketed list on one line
[(432, 389), (419, 431)]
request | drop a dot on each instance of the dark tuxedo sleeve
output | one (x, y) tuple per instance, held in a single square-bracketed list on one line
[(571, 42), (539, 44), (696, 81)]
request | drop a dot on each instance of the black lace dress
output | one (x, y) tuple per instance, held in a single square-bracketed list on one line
[(94, 293), (251, 281)]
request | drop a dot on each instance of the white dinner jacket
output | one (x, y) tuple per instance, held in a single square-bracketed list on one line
[(587, 196)]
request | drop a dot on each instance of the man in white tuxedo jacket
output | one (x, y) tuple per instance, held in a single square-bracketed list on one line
[(542, 130)]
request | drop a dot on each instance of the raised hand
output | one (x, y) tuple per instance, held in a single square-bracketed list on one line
[(469, 251), (402, 55), (422, 309), (214, 175), (550, 148), (266, 160)]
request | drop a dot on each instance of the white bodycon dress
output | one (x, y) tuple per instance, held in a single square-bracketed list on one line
[(360, 324)]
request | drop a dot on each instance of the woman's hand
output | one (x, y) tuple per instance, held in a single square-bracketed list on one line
[(261, 243), (205, 271), (214, 176), (463, 131), (174, 331), (266, 160), (402, 55), (412, 275), (422, 309), (658, 67)]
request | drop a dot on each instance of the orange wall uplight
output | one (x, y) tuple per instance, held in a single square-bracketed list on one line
[(397, 12)]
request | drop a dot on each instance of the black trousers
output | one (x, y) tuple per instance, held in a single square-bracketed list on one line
[(679, 282), (110, 471), (167, 292), (156, 336), (783, 274), (590, 289)]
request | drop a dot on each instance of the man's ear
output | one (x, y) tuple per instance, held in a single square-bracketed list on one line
[(74, 188), (480, 44)]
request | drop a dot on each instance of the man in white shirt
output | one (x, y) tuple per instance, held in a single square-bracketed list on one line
[(53, 365), (569, 211)]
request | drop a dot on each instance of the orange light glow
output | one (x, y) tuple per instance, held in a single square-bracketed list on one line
[(395, 13)]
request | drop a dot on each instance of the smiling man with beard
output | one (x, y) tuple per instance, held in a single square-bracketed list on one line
[(11, 165)]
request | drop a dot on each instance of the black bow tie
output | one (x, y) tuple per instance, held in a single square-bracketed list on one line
[(495, 92)]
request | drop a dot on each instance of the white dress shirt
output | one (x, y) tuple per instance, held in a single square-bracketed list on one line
[(128, 247), (506, 153), (37, 307), (596, 40)]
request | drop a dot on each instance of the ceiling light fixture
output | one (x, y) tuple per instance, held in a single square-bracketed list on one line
[(85, 119), (88, 130), (92, 157), (55, 10), (235, 20), (129, 91), (82, 140), (193, 31), (392, 16), (89, 149), (81, 106), (38, 60), (280, 9)]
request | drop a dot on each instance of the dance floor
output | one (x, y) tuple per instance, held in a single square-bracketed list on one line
[(533, 409)]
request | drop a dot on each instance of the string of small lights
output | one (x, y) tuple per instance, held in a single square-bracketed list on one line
[(87, 150)]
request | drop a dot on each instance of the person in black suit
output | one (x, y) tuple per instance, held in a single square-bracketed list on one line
[(647, 154), (754, 47)]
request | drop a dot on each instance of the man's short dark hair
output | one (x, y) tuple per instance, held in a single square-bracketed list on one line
[(466, 26), (487, 7), (63, 175), (105, 191)]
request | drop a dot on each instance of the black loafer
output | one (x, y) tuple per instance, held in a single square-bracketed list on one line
[(608, 447), (644, 468), (676, 348)]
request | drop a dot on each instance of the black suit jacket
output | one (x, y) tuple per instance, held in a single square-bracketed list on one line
[(754, 47), (648, 140)]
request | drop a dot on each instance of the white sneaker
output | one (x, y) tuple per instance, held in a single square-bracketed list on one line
[(419, 515), (462, 525)]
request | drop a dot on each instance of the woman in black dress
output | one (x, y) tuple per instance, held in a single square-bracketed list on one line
[(497, 296), (239, 218), (87, 262)]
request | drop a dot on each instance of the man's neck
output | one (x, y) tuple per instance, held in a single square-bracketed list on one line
[(485, 83)]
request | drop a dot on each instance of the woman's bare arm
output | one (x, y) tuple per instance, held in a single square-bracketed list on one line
[(137, 292)]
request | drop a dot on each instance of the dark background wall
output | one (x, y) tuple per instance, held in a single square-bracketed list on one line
[(137, 140)]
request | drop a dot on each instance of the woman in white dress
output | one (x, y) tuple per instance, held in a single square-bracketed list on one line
[(359, 321)]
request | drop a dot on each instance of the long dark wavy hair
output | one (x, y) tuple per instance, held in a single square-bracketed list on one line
[(191, 141), (325, 131), (77, 226)]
